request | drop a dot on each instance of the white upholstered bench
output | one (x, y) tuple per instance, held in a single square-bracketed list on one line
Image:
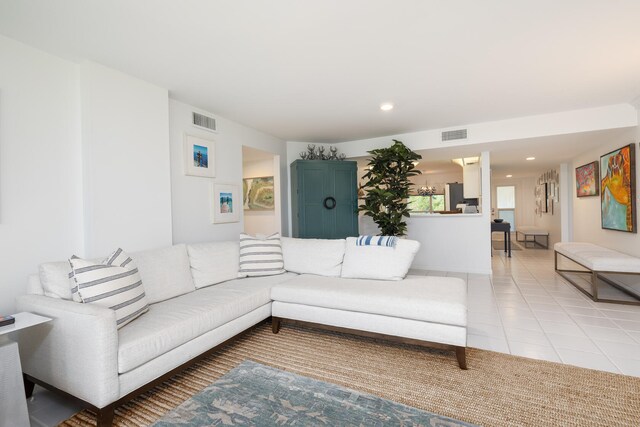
[(597, 261), (420, 310), (533, 235)]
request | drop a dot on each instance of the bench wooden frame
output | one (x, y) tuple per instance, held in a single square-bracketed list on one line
[(535, 234), (595, 275)]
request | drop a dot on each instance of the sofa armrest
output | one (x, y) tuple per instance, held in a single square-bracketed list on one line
[(76, 352)]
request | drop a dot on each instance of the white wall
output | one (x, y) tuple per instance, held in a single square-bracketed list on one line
[(88, 163), (566, 202), (125, 150), (586, 210), (191, 196), (40, 166), (260, 222)]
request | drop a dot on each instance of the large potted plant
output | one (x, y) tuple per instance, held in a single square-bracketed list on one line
[(387, 187)]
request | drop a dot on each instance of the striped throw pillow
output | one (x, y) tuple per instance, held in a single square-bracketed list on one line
[(115, 283), (260, 257)]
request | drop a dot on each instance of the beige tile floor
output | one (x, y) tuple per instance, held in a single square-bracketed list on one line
[(524, 309)]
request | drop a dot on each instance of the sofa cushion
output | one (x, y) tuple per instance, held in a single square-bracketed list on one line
[(54, 278), (171, 323), (313, 256), (34, 285), (260, 256), (165, 272), (426, 298), (378, 262), (114, 283), (214, 262)]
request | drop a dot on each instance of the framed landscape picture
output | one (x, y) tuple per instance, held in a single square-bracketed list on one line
[(258, 194), (225, 204), (199, 158), (587, 180), (618, 189)]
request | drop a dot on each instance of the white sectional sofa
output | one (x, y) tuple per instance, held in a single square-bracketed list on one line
[(198, 303)]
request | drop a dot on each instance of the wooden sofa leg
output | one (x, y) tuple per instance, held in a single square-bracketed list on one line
[(461, 355), (105, 416), (275, 324), (28, 386)]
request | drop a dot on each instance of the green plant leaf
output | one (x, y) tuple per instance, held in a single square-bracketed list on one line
[(387, 186)]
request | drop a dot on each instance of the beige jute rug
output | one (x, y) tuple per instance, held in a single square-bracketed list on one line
[(496, 390)]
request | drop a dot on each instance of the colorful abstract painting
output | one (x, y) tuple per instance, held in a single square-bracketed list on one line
[(618, 189), (587, 180), (258, 193)]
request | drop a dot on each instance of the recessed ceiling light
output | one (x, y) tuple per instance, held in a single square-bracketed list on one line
[(509, 176), (387, 106), (531, 158)]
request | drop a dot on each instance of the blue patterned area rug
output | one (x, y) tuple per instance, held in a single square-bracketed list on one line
[(256, 395)]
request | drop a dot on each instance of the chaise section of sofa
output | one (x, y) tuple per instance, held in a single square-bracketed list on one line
[(430, 310)]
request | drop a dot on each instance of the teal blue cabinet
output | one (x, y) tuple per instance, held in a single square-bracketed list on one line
[(324, 199)]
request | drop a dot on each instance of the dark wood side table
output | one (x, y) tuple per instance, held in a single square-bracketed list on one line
[(503, 227)]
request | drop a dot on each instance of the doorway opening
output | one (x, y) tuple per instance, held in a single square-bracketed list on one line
[(261, 193), (506, 204)]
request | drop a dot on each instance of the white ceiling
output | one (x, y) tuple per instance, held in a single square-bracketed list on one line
[(318, 70), (508, 158), (250, 154)]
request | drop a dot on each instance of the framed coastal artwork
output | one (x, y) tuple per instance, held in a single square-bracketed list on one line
[(225, 203), (199, 156), (587, 180), (618, 189), (258, 194)]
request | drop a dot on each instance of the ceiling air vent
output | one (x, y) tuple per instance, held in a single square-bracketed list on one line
[(204, 122), (451, 135)]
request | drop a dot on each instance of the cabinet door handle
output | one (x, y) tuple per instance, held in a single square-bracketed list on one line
[(329, 203)]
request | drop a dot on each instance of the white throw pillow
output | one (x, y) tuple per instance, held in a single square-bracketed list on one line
[(214, 262), (378, 262), (115, 283), (260, 257), (165, 272), (322, 257), (55, 279)]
